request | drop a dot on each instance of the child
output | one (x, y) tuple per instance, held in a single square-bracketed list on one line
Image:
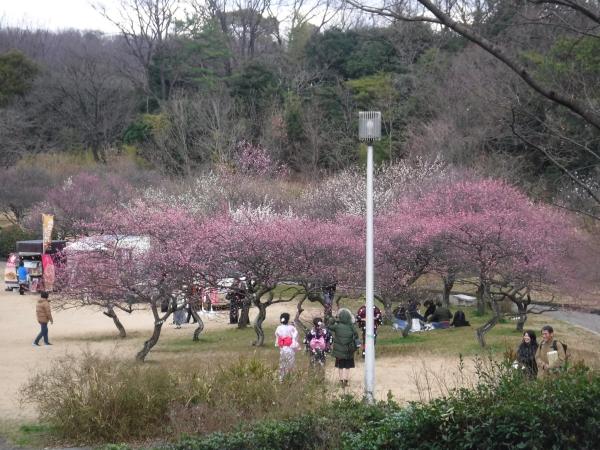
[(318, 343), (286, 338)]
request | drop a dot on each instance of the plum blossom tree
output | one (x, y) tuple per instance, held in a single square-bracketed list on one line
[(323, 254), (271, 252), (79, 199), (344, 192), (254, 250), (493, 231), (406, 249), (92, 262), (254, 160), (155, 273), (203, 195)]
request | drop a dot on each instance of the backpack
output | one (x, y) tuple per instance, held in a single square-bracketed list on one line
[(564, 346), (459, 319), (317, 343)]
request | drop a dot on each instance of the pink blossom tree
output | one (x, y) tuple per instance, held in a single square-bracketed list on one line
[(496, 233), (275, 251), (406, 248), (80, 199), (154, 273), (323, 254), (255, 251), (254, 160)]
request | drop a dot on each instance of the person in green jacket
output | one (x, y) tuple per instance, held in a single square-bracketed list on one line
[(345, 338)]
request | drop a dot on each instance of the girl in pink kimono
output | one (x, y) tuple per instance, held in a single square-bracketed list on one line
[(286, 338)]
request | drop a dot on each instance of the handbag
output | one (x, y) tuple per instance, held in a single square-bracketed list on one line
[(357, 343)]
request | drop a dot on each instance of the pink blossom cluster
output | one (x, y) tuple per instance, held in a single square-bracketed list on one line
[(254, 159)]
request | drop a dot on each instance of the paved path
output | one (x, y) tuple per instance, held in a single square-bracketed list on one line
[(588, 321)]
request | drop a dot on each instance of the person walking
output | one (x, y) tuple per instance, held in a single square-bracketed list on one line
[(345, 343), (526, 354), (44, 315), (286, 338), (551, 355)]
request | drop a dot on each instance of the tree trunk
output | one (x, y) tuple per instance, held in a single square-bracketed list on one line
[(158, 323), (110, 312), (408, 326), (299, 311), (200, 323), (141, 356), (244, 319), (448, 285), (387, 310), (522, 310), (95, 147), (163, 83), (260, 318), (486, 327), (481, 299)]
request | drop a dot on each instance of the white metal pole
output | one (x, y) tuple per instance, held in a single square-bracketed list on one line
[(369, 335)]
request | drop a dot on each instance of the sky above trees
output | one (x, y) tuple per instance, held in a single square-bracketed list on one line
[(55, 15)]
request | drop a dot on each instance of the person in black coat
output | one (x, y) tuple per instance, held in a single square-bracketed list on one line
[(526, 354), (430, 308)]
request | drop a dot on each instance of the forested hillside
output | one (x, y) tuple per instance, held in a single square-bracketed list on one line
[(190, 85)]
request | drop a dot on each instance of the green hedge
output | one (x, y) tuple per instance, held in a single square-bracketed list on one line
[(506, 412), (561, 412)]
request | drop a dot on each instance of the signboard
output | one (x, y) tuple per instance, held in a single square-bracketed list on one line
[(47, 225)]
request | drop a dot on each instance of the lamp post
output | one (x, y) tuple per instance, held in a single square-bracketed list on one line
[(369, 130)]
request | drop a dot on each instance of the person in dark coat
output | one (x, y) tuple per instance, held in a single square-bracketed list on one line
[(526, 354), (328, 297), (441, 316), (429, 308), (345, 338), (235, 297), (413, 310)]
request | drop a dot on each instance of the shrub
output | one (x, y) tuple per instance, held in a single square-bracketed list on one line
[(9, 236), (102, 399), (321, 429), (503, 411), (243, 392), (508, 412)]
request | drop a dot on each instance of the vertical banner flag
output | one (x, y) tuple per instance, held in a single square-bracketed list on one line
[(47, 225)]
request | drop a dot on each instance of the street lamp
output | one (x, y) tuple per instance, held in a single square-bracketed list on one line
[(369, 130)]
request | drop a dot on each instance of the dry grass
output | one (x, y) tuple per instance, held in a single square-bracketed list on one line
[(93, 398)]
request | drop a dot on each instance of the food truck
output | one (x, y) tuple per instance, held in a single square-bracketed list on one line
[(35, 261)]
